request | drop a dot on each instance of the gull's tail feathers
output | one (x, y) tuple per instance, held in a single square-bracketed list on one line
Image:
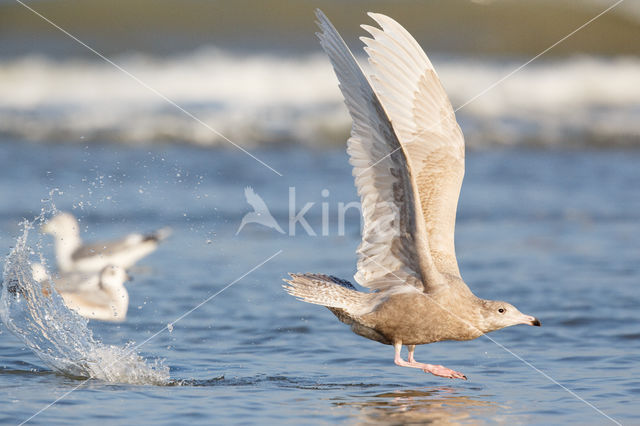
[(341, 297), (329, 291)]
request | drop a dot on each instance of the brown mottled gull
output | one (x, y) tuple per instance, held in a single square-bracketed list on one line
[(407, 153)]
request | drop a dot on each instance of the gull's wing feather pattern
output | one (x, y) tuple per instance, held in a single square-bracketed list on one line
[(424, 121), (106, 248), (393, 249)]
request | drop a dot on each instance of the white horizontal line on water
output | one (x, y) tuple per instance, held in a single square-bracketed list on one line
[(148, 87)]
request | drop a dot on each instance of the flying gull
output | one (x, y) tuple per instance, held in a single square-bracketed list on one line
[(74, 256), (407, 153)]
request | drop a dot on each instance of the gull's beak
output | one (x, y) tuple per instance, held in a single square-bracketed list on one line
[(529, 320)]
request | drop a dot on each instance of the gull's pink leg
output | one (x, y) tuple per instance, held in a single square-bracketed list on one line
[(436, 370), (411, 349), (398, 358)]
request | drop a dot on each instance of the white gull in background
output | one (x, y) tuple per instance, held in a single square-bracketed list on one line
[(66, 281), (407, 153), (74, 256), (100, 296)]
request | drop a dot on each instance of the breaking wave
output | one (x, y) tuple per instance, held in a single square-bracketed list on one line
[(267, 99)]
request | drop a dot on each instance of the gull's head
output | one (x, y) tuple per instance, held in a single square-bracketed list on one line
[(61, 225), (113, 277), (497, 314), (112, 280)]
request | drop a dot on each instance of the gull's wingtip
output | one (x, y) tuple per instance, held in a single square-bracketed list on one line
[(378, 17), (368, 28), (375, 16), (322, 21), (321, 18)]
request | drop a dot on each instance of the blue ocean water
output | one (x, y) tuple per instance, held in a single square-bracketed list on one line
[(554, 232)]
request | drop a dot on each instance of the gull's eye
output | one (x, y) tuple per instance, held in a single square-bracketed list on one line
[(502, 310)]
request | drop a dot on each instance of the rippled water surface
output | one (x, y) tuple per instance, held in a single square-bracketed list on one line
[(555, 233)]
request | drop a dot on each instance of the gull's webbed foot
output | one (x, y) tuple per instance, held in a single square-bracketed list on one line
[(442, 371), (436, 370)]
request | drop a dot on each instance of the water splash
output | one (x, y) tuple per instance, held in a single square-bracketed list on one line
[(37, 315)]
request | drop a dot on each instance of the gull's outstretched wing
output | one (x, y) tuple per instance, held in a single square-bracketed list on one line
[(424, 121), (394, 250), (114, 248), (106, 248)]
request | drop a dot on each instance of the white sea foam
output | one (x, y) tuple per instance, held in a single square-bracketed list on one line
[(260, 99), (36, 314)]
